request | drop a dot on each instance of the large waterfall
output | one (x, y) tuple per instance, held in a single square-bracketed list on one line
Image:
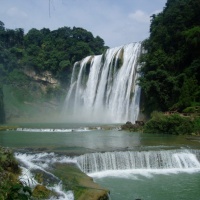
[(104, 87)]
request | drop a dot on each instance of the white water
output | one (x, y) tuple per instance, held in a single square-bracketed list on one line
[(42, 162), (53, 130), (104, 90), (119, 164), (146, 163)]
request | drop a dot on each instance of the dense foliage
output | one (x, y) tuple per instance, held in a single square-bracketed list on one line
[(172, 124), (10, 186), (171, 64), (55, 51)]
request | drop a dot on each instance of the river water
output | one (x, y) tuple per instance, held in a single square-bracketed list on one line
[(131, 165)]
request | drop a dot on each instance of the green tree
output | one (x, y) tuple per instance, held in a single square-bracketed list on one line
[(172, 57)]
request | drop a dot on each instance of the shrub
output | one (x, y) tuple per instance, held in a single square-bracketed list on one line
[(169, 124)]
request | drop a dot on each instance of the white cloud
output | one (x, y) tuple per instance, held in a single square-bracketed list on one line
[(116, 22), (140, 16), (15, 12)]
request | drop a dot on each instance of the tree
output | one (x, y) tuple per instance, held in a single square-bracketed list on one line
[(172, 57)]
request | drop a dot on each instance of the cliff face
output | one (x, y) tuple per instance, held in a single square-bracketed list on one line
[(45, 77), (34, 98)]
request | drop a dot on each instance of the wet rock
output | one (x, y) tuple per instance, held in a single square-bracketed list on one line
[(132, 127), (41, 192)]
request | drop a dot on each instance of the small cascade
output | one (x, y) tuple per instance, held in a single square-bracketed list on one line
[(32, 164), (119, 164), (54, 130), (168, 159), (104, 87)]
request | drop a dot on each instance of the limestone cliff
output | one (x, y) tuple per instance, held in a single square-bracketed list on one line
[(34, 97)]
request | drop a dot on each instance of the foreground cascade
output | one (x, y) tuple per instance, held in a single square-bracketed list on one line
[(104, 87), (174, 160)]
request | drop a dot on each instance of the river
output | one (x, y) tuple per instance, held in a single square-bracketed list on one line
[(131, 165)]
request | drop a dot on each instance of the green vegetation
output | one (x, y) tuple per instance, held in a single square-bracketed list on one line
[(171, 64), (10, 186), (172, 124), (2, 112), (55, 51), (14, 188), (36, 67)]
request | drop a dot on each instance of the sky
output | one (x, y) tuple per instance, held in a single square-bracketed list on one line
[(117, 22)]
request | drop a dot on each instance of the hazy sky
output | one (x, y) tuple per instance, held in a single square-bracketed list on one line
[(117, 22)]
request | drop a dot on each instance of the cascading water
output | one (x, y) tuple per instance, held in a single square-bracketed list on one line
[(105, 164), (104, 87), (148, 160)]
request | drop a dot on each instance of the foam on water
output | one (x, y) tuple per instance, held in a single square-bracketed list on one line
[(143, 163), (42, 161), (53, 130), (135, 173), (128, 164)]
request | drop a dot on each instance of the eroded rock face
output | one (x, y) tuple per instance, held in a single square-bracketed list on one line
[(45, 76)]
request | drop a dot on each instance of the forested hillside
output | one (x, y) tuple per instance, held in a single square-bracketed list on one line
[(55, 51), (36, 67), (171, 64)]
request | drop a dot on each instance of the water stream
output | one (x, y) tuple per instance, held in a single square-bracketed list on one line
[(130, 165)]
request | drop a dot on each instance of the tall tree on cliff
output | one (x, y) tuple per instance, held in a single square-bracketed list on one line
[(171, 66)]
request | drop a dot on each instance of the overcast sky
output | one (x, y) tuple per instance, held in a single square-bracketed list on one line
[(117, 22)]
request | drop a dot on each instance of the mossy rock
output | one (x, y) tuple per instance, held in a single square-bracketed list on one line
[(41, 192), (4, 128), (81, 184)]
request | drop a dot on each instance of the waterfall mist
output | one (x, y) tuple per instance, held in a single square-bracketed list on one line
[(104, 87)]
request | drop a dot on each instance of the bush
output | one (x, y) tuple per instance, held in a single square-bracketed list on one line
[(169, 124)]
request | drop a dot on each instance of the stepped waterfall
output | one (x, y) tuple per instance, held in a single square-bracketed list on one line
[(144, 160), (104, 87)]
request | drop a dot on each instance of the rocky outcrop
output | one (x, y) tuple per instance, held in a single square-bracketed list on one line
[(81, 184), (133, 127), (45, 77)]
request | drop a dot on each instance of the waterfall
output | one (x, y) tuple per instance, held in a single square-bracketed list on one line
[(104, 87), (166, 159)]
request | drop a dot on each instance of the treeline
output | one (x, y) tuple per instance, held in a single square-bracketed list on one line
[(55, 51), (171, 64)]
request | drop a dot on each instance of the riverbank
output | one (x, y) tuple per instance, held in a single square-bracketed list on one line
[(160, 123)]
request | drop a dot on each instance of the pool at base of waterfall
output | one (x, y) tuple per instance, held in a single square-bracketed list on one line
[(130, 165), (147, 186)]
